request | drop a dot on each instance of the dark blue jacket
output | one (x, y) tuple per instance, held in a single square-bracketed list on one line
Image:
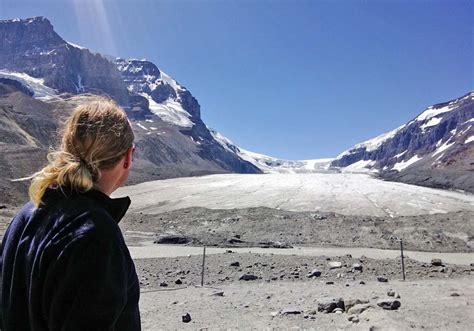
[(65, 266)]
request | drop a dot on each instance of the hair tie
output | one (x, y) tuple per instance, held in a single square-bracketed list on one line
[(89, 167)]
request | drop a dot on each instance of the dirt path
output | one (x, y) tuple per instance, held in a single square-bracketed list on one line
[(150, 250)]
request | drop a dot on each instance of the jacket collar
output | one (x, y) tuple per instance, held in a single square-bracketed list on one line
[(115, 207)]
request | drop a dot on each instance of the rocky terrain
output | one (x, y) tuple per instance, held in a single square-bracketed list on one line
[(266, 227), (435, 303)]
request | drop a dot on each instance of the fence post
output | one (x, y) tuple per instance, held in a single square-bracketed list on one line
[(203, 264), (403, 262)]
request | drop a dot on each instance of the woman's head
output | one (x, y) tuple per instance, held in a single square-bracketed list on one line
[(95, 138)]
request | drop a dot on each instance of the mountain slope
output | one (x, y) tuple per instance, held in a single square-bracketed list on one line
[(434, 149)]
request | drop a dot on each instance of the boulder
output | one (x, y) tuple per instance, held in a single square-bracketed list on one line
[(328, 305), (436, 262), (175, 239), (186, 318), (248, 277), (357, 267), (389, 304), (314, 273), (382, 279)]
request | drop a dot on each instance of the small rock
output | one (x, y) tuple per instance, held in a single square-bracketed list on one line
[(391, 293), (334, 264), (218, 294), (454, 294), (314, 273), (389, 304), (290, 311), (186, 318), (352, 302), (436, 262), (330, 283), (362, 282), (327, 305), (382, 279), (248, 277), (353, 319), (178, 281), (338, 311), (163, 284), (235, 264), (357, 267), (274, 313), (229, 251), (311, 312), (359, 308)]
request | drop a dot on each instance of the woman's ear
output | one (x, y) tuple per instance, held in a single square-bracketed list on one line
[(129, 157)]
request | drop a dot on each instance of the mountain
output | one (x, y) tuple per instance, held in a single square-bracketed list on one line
[(269, 164), (434, 149), (31, 46), (41, 69)]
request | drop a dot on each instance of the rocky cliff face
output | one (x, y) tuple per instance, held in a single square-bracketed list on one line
[(32, 46)]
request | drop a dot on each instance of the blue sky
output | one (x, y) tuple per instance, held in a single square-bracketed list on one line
[(292, 79)]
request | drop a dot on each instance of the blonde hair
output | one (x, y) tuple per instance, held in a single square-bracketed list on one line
[(96, 136)]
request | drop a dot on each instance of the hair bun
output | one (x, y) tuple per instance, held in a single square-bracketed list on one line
[(91, 167)]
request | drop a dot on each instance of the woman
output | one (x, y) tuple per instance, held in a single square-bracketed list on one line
[(63, 261)]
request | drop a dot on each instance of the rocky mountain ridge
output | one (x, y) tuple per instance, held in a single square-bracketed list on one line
[(171, 139), (434, 149)]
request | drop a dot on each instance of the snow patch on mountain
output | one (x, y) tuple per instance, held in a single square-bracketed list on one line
[(166, 78), (40, 90), (399, 166), (75, 45), (361, 166), (443, 147), (162, 92), (170, 111), (432, 122), (372, 144)]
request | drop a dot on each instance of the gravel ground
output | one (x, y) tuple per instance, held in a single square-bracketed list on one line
[(230, 267), (426, 304), (450, 232)]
